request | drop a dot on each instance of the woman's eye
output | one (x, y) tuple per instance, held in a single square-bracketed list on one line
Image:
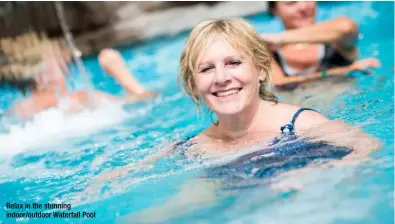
[(235, 63), (206, 69)]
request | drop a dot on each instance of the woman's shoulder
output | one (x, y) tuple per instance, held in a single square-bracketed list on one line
[(202, 136), (303, 118), (194, 138), (204, 140)]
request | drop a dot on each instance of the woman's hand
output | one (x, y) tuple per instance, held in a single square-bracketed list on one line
[(365, 64), (273, 40)]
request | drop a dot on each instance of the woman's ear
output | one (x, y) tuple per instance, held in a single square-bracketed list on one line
[(262, 75)]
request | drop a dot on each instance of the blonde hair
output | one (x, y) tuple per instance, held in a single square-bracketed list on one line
[(241, 36)]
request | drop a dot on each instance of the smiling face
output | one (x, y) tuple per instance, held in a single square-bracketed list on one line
[(226, 64), (296, 14), (225, 79)]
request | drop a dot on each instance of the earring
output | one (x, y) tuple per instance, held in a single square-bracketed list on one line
[(212, 120)]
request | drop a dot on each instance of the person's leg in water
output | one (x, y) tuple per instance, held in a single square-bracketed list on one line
[(112, 63)]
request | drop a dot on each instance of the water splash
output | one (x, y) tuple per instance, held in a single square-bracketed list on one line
[(53, 125)]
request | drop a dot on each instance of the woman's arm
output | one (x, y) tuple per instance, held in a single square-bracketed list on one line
[(317, 127), (141, 164), (341, 33), (112, 63), (193, 195), (100, 180), (280, 79)]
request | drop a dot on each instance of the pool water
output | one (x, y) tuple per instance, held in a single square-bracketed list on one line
[(54, 157)]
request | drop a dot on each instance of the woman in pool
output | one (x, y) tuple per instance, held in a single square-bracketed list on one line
[(308, 50), (49, 88), (226, 65)]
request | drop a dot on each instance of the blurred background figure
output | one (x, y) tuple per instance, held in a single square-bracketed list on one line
[(35, 57), (308, 50), (37, 67), (24, 57)]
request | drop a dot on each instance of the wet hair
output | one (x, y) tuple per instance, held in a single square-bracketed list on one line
[(272, 7), (24, 86), (22, 58), (19, 73), (9, 79), (241, 36)]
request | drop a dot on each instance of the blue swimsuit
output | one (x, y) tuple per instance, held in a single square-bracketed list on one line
[(286, 152)]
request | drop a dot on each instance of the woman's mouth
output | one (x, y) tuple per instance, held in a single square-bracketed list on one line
[(225, 93)]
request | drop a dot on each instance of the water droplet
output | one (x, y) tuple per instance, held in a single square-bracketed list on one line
[(360, 36)]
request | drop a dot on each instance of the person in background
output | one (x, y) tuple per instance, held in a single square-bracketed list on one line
[(48, 89), (307, 50)]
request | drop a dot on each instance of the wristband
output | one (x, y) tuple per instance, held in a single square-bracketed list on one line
[(324, 74)]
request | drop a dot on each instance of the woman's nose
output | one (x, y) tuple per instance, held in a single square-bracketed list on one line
[(221, 76)]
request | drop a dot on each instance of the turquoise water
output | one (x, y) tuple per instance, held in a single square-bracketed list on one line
[(54, 157)]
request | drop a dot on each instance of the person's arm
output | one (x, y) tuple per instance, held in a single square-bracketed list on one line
[(341, 33), (112, 63), (144, 163), (206, 191), (28, 107), (100, 180), (279, 78), (317, 127)]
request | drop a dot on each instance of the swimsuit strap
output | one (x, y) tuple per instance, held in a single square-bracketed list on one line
[(290, 127)]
